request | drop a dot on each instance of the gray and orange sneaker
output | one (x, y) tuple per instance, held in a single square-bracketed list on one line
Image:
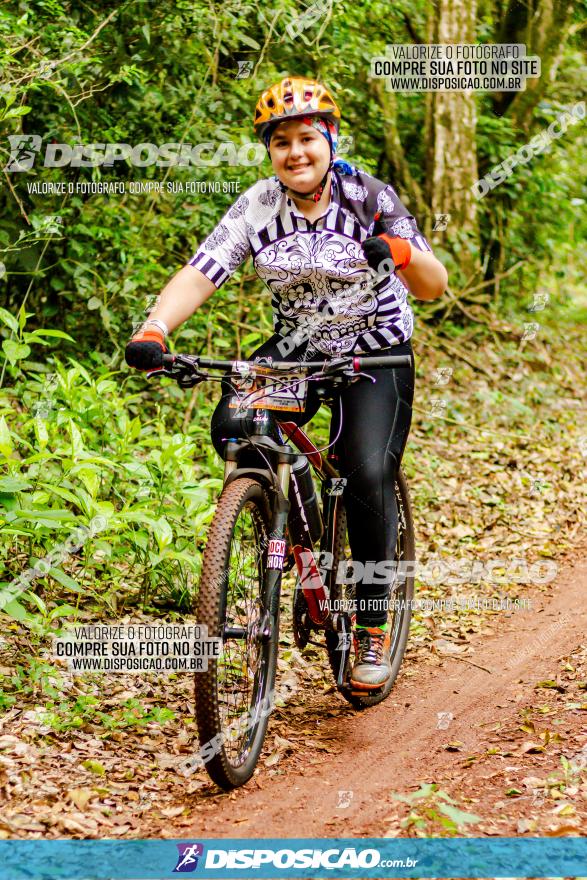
[(372, 667)]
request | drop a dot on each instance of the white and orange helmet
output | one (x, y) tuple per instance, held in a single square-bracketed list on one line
[(293, 98)]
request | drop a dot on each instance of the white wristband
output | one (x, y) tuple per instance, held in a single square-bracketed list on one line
[(158, 323)]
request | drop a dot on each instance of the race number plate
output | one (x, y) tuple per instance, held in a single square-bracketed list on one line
[(268, 392)]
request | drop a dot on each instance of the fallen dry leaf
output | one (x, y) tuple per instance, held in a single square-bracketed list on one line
[(80, 797), (273, 759), (172, 812), (562, 831), (75, 826), (530, 747)]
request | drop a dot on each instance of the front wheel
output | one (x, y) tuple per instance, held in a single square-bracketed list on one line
[(232, 697), (400, 598)]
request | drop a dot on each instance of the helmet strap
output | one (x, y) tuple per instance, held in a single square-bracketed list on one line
[(314, 196)]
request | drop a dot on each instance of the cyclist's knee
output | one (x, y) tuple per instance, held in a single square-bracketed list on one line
[(368, 474)]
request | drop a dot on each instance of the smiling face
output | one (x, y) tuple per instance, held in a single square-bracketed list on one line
[(300, 155)]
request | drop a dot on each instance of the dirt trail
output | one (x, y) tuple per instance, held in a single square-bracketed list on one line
[(397, 745)]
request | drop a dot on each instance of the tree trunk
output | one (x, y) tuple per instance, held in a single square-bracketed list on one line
[(451, 144), (544, 26)]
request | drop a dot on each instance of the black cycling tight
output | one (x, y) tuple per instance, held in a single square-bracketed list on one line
[(376, 420)]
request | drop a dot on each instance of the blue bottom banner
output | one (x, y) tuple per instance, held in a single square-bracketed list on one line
[(289, 857)]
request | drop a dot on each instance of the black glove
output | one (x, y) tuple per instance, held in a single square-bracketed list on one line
[(386, 253), (145, 350), (377, 251)]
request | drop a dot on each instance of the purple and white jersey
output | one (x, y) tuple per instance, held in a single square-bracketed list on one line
[(321, 286)]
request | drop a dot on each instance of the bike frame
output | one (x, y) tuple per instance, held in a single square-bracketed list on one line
[(315, 586), (314, 583)]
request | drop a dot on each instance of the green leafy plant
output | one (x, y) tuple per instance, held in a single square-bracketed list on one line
[(18, 346), (430, 806)]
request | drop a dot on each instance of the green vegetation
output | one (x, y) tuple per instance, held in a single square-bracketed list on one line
[(82, 439)]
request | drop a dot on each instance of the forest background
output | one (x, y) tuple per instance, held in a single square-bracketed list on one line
[(497, 456)]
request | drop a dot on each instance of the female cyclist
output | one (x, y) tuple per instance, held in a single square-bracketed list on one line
[(313, 230)]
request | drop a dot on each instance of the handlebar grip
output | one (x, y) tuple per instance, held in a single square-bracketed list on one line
[(389, 360), (168, 360)]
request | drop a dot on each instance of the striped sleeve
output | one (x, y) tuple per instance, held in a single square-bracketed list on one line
[(397, 220), (227, 246)]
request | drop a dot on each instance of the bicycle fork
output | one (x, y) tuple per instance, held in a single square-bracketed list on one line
[(275, 545)]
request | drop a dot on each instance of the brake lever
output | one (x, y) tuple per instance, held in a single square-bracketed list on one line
[(159, 372), (189, 380), (334, 365), (358, 376), (183, 378)]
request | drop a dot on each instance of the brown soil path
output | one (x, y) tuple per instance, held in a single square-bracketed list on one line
[(399, 744), (492, 727)]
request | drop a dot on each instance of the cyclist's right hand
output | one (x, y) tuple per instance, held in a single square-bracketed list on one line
[(145, 350)]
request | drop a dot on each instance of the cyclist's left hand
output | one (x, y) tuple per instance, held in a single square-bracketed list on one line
[(383, 252)]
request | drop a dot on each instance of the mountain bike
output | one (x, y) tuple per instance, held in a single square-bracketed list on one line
[(268, 520)]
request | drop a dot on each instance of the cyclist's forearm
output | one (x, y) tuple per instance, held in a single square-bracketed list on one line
[(179, 299), (425, 277)]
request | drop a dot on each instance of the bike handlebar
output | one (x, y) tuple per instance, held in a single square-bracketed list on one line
[(338, 365)]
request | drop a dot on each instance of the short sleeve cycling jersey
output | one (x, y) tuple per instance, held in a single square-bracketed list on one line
[(321, 285)]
